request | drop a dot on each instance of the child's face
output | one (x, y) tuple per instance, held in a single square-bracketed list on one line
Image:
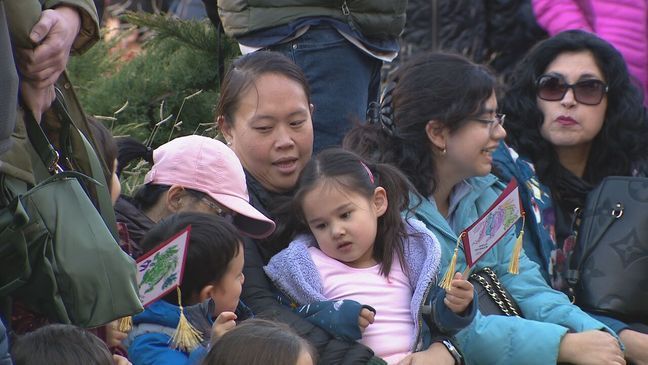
[(344, 223), (227, 292)]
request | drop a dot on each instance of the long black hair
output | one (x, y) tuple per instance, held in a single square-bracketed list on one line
[(444, 87), (349, 171), (622, 139)]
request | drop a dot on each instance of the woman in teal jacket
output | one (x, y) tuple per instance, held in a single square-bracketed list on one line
[(443, 138)]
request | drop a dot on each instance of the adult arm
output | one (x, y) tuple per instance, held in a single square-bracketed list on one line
[(43, 48), (261, 296), (635, 342), (556, 16)]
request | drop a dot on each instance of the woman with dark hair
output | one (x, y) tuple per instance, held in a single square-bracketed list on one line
[(261, 342), (576, 118), (439, 124), (264, 114)]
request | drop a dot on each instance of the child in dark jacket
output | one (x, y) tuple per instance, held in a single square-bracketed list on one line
[(210, 291)]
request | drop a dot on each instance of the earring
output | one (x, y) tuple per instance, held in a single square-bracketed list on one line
[(229, 143), (443, 151)]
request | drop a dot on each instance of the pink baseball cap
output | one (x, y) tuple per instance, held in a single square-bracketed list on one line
[(209, 166)]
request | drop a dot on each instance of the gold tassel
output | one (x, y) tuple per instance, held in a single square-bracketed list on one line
[(514, 264), (186, 338), (449, 274), (125, 324)]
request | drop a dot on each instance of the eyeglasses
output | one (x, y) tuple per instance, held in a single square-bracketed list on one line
[(554, 88), (492, 123), (217, 209)]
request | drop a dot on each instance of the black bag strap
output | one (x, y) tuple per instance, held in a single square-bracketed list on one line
[(44, 149), (50, 157)]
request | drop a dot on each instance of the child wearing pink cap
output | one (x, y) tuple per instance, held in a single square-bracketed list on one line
[(191, 173)]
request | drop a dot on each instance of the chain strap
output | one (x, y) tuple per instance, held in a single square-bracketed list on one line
[(500, 298)]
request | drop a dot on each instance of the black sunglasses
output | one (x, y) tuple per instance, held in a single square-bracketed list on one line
[(554, 88)]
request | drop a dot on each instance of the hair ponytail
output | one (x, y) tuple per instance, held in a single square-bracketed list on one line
[(391, 228), (129, 150)]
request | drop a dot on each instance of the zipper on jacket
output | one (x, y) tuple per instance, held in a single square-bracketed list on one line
[(420, 316), (435, 26)]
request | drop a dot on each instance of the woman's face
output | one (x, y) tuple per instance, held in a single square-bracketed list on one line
[(569, 123), (469, 150), (272, 131)]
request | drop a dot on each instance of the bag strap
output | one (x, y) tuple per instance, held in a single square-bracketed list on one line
[(44, 149), (50, 157)]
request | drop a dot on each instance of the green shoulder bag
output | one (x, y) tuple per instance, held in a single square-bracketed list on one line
[(58, 255)]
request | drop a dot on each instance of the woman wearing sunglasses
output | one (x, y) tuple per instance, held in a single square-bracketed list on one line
[(574, 118)]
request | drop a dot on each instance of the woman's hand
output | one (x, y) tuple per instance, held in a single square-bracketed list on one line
[(53, 36), (223, 323), (436, 354), (40, 67), (636, 346), (460, 295), (590, 348), (365, 318)]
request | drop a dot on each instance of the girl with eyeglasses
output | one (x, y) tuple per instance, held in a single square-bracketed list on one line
[(430, 126), (575, 118)]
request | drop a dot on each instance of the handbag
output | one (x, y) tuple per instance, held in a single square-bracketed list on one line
[(608, 269), (58, 255), (493, 297)]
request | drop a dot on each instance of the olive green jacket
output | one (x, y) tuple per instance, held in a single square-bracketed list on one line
[(375, 18)]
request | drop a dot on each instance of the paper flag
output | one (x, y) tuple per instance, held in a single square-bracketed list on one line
[(498, 219), (160, 270)]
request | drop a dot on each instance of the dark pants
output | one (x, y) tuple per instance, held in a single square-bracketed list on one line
[(343, 80)]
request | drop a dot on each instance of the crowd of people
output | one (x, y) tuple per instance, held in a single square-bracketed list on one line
[(316, 236)]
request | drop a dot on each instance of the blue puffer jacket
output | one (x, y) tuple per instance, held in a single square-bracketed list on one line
[(149, 341), (548, 314), (5, 359)]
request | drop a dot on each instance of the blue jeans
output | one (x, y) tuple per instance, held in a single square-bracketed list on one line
[(343, 81)]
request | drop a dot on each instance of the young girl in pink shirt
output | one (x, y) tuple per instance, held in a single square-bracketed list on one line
[(376, 269)]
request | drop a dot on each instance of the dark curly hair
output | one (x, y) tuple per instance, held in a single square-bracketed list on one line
[(622, 139), (445, 87)]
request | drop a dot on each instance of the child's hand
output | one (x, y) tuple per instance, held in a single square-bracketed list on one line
[(224, 322), (365, 319), (460, 295), (120, 360), (114, 336)]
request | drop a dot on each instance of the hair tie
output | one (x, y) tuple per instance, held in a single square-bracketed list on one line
[(148, 156), (371, 177), (382, 113)]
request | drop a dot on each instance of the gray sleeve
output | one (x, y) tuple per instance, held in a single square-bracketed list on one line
[(9, 82)]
